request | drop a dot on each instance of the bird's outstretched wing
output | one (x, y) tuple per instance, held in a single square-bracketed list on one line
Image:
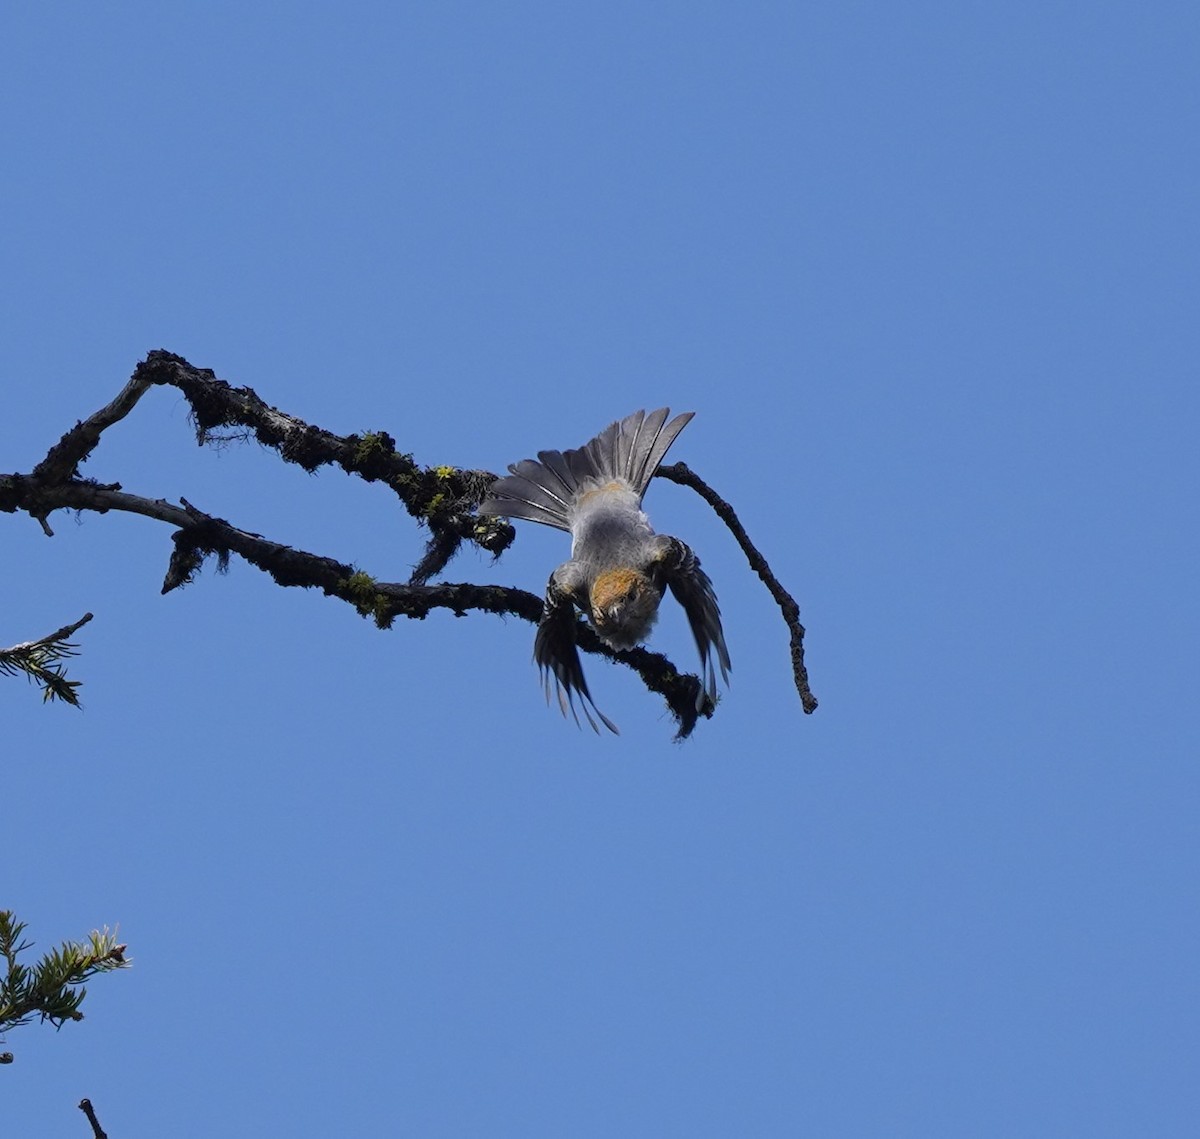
[(557, 656), (680, 571)]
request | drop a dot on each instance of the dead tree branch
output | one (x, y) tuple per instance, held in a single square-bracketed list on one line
[(98, 1132), (442, 498), (681, 473)]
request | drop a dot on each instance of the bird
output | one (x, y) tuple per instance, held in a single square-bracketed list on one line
[(619, 567)]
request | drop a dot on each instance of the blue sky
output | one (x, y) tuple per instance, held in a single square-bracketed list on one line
[(927, 273)]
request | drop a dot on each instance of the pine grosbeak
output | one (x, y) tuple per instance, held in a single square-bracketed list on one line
[(619, 567)]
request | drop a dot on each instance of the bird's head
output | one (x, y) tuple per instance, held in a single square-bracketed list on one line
[(624, 606)]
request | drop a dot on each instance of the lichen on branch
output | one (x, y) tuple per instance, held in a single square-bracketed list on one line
[(443, 498)]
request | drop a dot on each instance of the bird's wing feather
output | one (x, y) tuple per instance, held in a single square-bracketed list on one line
[(557, 656), (692, 588)]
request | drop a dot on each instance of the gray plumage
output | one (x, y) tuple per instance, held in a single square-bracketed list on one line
[(619, 567), (548, 489)]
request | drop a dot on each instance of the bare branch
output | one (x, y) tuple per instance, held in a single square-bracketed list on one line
[(443, 498), (98, 1132), (52, 638), (683, 475), (201, 535), (76, 445)]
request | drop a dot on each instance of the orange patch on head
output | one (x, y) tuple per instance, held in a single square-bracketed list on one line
[(614, 585)]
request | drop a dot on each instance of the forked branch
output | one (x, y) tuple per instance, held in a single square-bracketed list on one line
[(442, 498)]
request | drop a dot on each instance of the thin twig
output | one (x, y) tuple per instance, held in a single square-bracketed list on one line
[(682, 474), (50, 638), (98, 1132)]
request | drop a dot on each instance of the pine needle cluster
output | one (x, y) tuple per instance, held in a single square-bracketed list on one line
[(52, 989)]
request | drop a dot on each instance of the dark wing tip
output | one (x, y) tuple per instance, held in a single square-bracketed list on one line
[(557, 657), (693, 589)]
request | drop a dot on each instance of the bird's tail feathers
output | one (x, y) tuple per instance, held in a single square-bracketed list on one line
[(534, 492), (632, 448), (546, 489)]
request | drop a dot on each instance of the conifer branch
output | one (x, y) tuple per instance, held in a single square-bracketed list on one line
[(53, 988), (39, 660)]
